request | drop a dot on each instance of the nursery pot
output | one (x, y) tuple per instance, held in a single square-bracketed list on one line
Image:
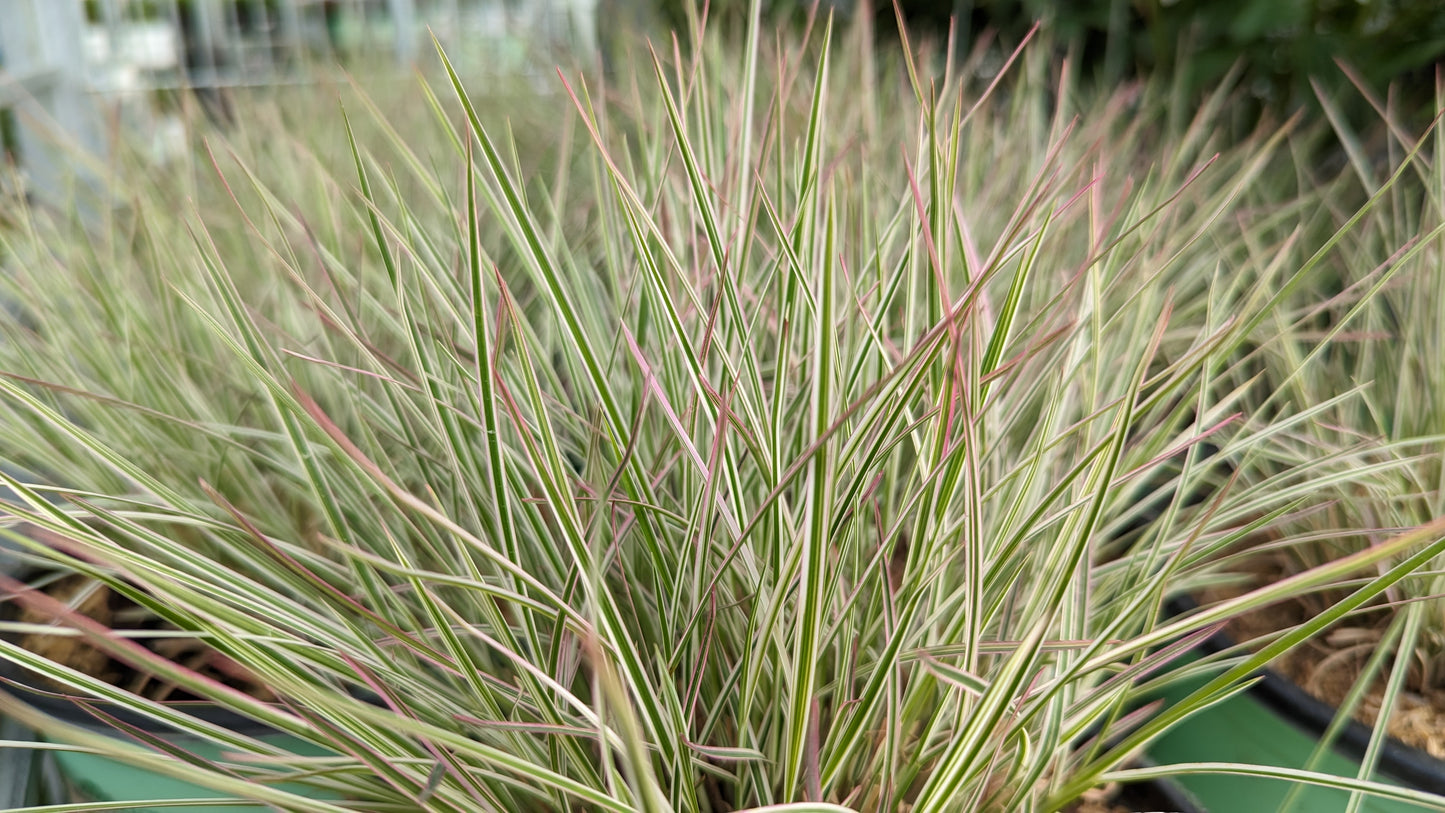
[(1277, 723), (92, 778), (81, 777)]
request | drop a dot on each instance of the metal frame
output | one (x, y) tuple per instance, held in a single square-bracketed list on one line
[(62, 76), (43, 85)]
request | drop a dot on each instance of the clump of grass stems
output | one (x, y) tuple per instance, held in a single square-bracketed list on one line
[(785, 445)]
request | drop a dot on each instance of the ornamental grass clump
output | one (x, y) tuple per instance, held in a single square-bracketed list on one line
[(777, 435)]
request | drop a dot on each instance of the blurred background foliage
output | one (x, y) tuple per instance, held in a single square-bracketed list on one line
[(1279, 45)]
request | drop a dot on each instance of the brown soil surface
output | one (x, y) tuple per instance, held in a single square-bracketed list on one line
[(1328, 666), (103, 605)]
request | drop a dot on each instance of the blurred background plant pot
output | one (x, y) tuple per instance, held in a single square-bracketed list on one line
[(74, 777), (81, 777), (1277, 723)]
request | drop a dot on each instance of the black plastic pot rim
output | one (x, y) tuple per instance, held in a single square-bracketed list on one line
[(1173, 796), (102, 715)]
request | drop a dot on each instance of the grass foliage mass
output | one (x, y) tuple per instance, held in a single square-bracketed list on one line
[(778, 425)]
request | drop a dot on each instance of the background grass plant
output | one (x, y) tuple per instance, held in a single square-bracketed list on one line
[(763, 429), (1371, 329)]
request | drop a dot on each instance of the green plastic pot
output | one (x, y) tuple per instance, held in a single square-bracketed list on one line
[(1276, 723), (81, 777), (84, 777)]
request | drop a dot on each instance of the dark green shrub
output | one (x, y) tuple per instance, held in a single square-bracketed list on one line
[(1280, 44)]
